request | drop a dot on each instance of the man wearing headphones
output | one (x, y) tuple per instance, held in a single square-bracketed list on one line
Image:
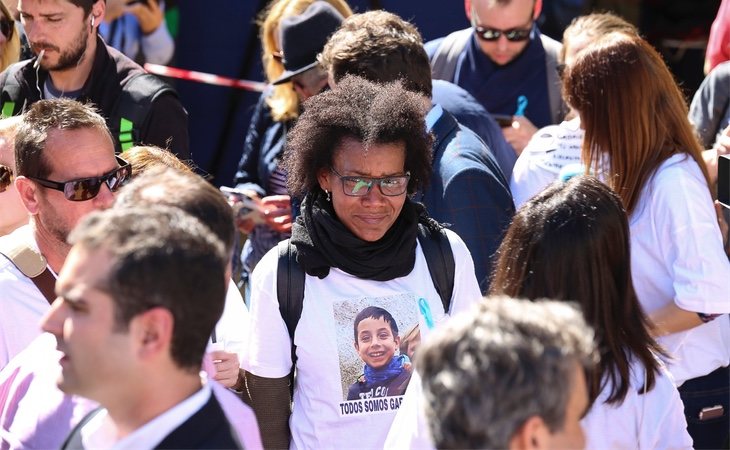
[(73, 61)]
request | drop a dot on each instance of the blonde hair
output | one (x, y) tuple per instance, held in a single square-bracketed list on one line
[(594, 26), (145, 157), (11, 52), (283, 101)]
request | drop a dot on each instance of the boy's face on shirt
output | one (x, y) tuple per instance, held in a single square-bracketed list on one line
[(375, 342)]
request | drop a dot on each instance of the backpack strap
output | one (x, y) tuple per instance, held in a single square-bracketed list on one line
[(290, 276), (33, 265), (11, 94), (133, 105), (290, 289), (443, 61), (552, 55), (440, 260)]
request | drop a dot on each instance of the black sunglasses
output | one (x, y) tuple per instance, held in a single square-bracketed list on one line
[(512, 35), (88, 188), (6, 177), (7, 27)]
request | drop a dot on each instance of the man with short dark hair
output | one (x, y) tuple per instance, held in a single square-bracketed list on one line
[(524, 386), (140, 293), (467, 189), (73, 61), (65, 169), (506, 64)]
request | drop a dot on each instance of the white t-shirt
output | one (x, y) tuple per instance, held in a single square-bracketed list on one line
[(550, 149), (677, 256), (646, 421), (232, 328), (327, 363), (23, 305), (410, 426)]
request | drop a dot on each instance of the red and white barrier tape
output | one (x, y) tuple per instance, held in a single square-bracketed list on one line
[(202, 77)]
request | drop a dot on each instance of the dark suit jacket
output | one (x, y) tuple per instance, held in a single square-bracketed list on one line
[(468, 191), (208, 428)]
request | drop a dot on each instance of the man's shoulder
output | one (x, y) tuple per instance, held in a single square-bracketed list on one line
[(210, 417), (8, 270), (453, 38)]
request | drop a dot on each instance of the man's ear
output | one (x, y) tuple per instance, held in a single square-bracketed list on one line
[(532, 435), (538, 9), (152, 332), (29, 194), (98, 10)]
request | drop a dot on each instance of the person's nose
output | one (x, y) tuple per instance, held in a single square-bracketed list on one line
[(52, 322), (502, 43), (375, 196), (105, 198)]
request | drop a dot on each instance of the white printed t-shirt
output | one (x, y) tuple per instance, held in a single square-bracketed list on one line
[(647, 421), (23, 305), (550, 149), (677, 256), (327, 363)]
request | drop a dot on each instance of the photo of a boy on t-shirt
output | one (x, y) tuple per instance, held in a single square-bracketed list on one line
[(385, 373)]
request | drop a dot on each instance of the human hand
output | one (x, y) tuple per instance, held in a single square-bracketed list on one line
[(114, 9), (227, 367), (247, 209), (148, 14), (520, 133), (277, 212)]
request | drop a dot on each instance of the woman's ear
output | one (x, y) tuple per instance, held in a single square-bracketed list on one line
[(323, 177)]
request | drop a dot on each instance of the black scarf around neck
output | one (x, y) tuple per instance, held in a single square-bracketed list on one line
[(322, 241)]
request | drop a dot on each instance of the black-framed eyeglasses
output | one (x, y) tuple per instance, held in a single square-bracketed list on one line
[(357, 186), (6, 177), (87, 188), (7, 27), (512, 35)]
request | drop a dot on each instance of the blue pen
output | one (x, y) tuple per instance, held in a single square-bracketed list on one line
[(521, 105), (426, 312)]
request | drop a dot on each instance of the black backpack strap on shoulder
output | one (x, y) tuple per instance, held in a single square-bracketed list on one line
[(135, 100), (289, 289), (440, 260), (11, 100)]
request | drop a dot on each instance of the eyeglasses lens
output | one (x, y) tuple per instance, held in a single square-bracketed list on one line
[(6, 177), (7, 27), (87, 189)]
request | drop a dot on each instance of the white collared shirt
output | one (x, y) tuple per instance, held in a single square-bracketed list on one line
[(101, 432)]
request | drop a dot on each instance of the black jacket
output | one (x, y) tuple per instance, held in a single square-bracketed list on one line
[(208, 428), (162, 117)]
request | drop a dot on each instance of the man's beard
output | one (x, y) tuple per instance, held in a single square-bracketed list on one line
[(72, 58)]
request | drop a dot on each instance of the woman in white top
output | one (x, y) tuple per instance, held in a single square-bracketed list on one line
[(571, 242), (355, 155), (639, 140)]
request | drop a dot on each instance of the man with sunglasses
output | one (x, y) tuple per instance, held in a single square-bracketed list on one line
[(506, 64), (72, 61), (66, 168)]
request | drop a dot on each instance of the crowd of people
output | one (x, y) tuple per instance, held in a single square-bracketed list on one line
[(490, 240)]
